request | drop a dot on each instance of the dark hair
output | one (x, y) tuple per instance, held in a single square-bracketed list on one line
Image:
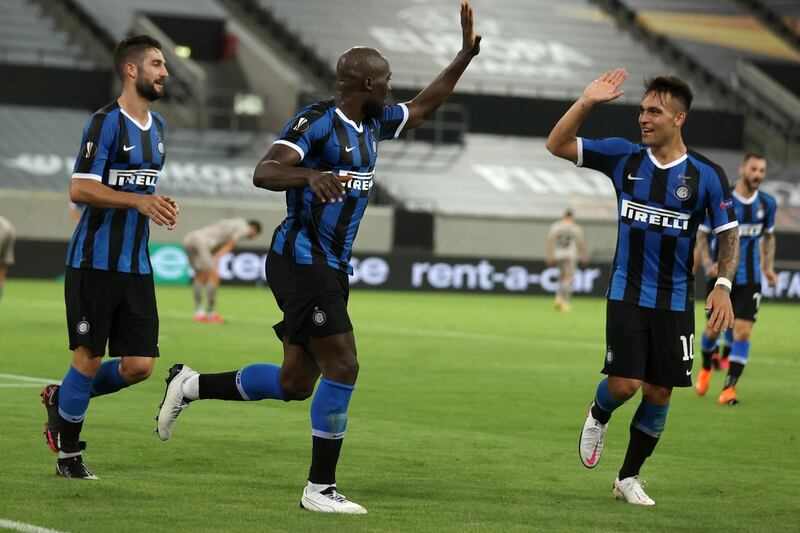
[(130, 50), (672, 85), (256, 224), (568, 212), (752, 155)]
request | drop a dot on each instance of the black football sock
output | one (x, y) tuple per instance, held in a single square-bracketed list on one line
[(726, 351), (640, 447), (324, 457), (219, 387), (734, 373), (707, 360)]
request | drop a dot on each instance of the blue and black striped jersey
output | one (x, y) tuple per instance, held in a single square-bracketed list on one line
[(756, 216), (126, 156), (660, 208), (323, 233)]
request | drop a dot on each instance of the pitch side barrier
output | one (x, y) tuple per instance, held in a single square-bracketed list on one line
[(397, 271)]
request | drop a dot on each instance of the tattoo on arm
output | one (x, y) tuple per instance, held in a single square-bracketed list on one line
[(728, 259), (769, 251)]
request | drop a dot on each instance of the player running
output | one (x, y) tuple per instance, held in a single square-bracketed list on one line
[(564, 241), (663, 192), (205, 247), (755, 211), (108, 285), (325, 161)]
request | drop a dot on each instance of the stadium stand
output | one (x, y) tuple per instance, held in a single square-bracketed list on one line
[(419, 39), (29, 37), (787, 11)]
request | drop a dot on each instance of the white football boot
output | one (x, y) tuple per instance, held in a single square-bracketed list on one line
[(631, 489), (329, 501), (174, 402), (590, 447)]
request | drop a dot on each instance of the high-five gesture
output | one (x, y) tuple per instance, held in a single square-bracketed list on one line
[(471, 42), (606, 87)]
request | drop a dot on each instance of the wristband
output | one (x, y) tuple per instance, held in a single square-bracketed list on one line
[(725, 282)]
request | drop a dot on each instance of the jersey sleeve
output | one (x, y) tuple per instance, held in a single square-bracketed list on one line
[(719, 204), (392, 121), (769, 216), (307, 127), (97, 141), (705, 225), (603, 154)]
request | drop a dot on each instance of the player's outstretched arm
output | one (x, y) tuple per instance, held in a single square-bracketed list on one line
[(562, 139), (278, 171), (431, 97), (160, 209), (719, 301)]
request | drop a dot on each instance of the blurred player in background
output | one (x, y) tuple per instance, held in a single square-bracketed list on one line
[(108, 285), (564, 242), (205, 247), (663, 191), (755, 211), (325, 161), (8, 237)]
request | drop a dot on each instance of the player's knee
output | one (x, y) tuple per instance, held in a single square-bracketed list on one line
[(623, 389), (344, 369), (135, 371), (296, 389)]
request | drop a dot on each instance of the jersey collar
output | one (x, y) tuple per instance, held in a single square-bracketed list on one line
[(358, 127), (671, 164), (742, 199), (146, 126)]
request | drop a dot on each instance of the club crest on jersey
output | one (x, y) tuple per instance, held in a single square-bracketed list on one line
[(654, 216), (300, 125), (609, 356), (682, 192), (89, 150), (82, 327), (760, 213), (319, 317), (160, 147)]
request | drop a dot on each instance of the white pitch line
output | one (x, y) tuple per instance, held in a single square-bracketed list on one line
[(17, 377), (24, 527), (20, 385)]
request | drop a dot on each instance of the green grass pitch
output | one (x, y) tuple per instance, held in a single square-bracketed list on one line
[(466, 416)]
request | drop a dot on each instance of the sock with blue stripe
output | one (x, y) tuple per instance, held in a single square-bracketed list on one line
[(708, 347), (328, 424), (260, 381), (646, 428), (73, 401), (108, 379), (740, 352), (604, 403)]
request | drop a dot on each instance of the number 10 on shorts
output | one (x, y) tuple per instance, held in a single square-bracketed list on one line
[(688, 347)]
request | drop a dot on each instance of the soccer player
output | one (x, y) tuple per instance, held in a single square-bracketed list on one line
[(205, 247), (564, 241), (325, 161), (108, 286), (663, 192), (755, 211), (7, 240)]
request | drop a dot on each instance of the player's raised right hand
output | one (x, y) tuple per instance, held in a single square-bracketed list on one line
[(327, 186), (606, 87), (159, 209)]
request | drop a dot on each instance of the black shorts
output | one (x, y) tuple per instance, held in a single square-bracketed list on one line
[(313, 299), (114, 308), (746, 300), (654, 345)]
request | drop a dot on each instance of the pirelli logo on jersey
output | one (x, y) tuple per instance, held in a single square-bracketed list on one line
[(359, 181), (142, 176), (654, 216), (750, 230)]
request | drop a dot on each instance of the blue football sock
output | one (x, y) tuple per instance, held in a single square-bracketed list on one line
[(650, 418), (108, 378), (329, 409), (73, 396), (706, 344), (604, 403), (740, 351), (259, 382)]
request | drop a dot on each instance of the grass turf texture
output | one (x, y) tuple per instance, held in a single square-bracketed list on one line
[(466, 415)]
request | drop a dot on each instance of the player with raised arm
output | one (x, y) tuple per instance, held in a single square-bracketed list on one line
[(663, 192), (755, 211), (325, 161), (108, 286)]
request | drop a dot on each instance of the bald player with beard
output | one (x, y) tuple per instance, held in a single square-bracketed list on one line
[(325, 161)]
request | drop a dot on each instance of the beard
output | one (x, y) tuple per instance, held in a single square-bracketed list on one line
[(148, 90)]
